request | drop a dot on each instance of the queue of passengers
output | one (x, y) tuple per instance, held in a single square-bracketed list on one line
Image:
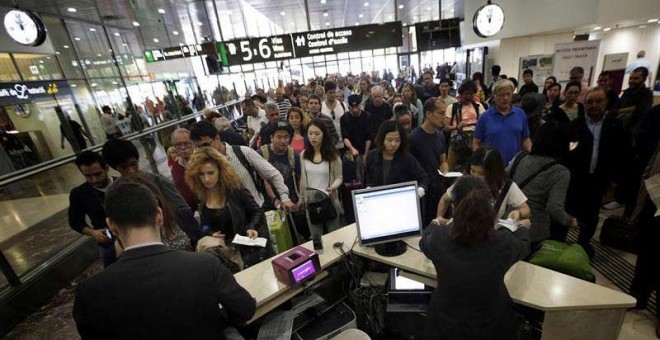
[(543, 160)]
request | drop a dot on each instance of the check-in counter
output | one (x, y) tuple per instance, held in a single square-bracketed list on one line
[(573, 308)]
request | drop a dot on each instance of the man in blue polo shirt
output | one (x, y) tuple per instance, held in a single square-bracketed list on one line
[(503, 126)]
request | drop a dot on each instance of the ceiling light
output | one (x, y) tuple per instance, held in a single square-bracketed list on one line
[(293, 23), (124, 44), (180, 44), (390, 17), (65, 46), (361, 15), (94, 84), (73, 85), (98, 55), (41, 61), (404, 24), (415, 17), (322, 1), (606, 29), (114, 83), (58, 53), (136, 24), (327, 24), (199, 23), (428, 8), (175, 32), (117, 34), (652, 21), (161, 11), (357, 24), (597, 28), (366, 4), (76, 39), (283, 13), (92, 29), (156, 40), (400, 6), (325, 14), (71, 10)]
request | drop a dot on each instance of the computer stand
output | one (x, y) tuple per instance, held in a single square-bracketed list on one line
[(393, 248)]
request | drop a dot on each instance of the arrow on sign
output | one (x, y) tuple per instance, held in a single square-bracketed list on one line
[(300, 41)]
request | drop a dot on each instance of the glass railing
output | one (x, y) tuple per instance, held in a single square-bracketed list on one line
[(34, 201)]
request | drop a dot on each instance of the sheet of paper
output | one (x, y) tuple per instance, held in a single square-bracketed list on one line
[(652, 185), (508, 223), (450, 174), (246, 241)]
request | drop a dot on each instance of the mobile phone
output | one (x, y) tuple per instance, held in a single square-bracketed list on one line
[(317, 241), (107, 233)]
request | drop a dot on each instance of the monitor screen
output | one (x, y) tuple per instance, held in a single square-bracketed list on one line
[(387, 213), (303, 271)]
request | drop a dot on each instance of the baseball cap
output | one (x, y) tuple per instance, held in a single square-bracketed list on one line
[(282, 125)]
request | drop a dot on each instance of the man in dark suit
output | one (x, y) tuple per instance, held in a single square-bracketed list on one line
[(597, 147), (153, 292)]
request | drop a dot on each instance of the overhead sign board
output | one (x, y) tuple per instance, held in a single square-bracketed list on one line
[(24, 92), (178, 52), (300, 45), (347, 39), (256, 50)]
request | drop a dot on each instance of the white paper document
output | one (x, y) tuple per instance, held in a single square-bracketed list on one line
[(246, 241), (450, 174), (508, 223)]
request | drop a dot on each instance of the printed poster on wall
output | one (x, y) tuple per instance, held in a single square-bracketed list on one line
[(578, 53), (541, 65)]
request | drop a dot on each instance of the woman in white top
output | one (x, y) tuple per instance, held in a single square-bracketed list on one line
[(487, 164), (320, 169)]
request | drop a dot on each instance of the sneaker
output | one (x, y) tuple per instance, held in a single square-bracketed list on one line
[(612, 205)]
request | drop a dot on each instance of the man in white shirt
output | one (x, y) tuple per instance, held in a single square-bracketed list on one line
[(334, 109), (256, 117), (641, 62)]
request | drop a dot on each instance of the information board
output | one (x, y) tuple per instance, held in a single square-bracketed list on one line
[(300, 45), (256, 50), (178, 52)]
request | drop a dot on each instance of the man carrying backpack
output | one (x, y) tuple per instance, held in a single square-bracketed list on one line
[(462, 117)]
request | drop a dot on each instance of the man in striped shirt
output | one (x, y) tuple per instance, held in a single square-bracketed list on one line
[(283, 104)]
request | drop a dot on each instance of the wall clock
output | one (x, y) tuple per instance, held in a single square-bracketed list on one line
[(25, 27), (488, 20)]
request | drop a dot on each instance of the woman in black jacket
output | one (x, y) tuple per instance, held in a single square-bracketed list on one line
[(226, 207), (391, 163), (471, 257)]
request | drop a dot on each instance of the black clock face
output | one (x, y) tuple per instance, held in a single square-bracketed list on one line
[(488, 20), (25, 27)]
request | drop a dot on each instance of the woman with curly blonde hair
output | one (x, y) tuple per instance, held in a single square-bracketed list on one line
[(226, 207)]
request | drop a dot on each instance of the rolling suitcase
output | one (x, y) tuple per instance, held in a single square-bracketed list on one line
[(279, 230)]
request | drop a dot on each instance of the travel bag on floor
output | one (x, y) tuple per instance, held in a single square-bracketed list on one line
[(568, 259), (617, 232)]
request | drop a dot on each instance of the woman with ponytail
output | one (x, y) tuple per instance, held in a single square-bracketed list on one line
[(471, 258)]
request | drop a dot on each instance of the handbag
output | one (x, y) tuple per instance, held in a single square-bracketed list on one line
[(229, 256), (619, 233), (568, 259), (322, 210)]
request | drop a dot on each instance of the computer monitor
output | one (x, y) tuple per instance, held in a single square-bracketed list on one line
[(387, 214)]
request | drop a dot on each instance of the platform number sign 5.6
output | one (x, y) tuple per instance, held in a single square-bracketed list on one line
[(258, 50)]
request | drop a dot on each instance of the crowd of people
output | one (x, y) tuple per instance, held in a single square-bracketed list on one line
[(542, 157)]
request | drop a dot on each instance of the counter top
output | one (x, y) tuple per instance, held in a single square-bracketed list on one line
[(528, 284)]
